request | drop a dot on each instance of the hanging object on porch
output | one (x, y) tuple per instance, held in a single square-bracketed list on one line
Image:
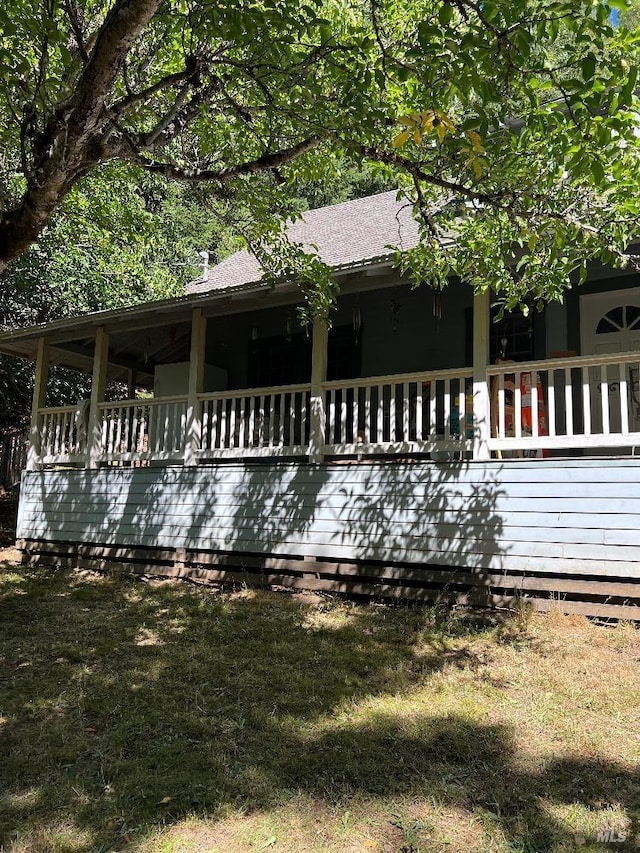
[(395, 315), (357, 321), (147, 345), (357, 318), (437, 306), (288, 327)]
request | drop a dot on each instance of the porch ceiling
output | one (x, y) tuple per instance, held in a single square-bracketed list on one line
[(138, 350), (141, 336), (77, 355)]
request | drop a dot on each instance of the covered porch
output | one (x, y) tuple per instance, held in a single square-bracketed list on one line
[(182, 396)]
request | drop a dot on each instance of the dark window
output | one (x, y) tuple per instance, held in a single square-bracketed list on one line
[(280, 360), (286, 359), (344, 353), (510, 338), (633, 316)]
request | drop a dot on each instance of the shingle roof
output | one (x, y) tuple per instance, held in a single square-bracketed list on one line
[(345, 234)]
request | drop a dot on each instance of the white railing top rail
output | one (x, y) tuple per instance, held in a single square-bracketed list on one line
[(58, 410), (401, 378), (563, 363), (254, 392), (558, 442), (151, 401)]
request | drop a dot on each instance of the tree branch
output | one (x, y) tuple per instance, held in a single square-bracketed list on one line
[(60, 150), (72, 14), (266, 162), (118, 107), (381, 155)]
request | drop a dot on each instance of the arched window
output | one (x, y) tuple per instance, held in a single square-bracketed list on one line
[(619, 319)]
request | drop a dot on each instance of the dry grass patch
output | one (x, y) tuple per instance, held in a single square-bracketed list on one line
[(163, 717)]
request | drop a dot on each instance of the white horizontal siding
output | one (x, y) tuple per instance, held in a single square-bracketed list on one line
[(578, 516)]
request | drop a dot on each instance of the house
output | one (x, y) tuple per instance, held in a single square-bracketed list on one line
[(416, 449)]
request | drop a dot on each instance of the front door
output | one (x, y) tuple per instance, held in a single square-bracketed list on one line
[(610, 323)]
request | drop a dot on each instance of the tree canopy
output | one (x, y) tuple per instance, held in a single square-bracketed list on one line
[(510, 125)]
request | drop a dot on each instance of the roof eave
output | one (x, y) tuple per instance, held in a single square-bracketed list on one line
[(21, 342)]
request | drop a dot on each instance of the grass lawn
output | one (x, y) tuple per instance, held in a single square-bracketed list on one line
[(161, 717)]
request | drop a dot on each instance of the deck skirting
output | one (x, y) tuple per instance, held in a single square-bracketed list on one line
[(563, 533), (601, 597)]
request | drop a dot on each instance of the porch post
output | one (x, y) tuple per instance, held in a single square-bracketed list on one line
[(481, 398), (196, 384), (38, 400), (318, 376), (98, 381)]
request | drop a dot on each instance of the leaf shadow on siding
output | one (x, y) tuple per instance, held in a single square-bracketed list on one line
[(396, 523), (258, 508), (129, 707), (417, 518), (404, 525)]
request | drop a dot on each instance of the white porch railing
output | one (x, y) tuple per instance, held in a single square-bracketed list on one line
[(581, 402), (587, 402), (255, 422), (63, 434), (406, 413), (135, 430)]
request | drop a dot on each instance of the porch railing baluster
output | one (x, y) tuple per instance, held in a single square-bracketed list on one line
[(568, 401), (604, 398), (605, 414), (534, 405), (551, 401), (419, 415), (403, 414), (447, 409), (433, 410), (586, 400), (517, 403), (405, 411), (624, 400)]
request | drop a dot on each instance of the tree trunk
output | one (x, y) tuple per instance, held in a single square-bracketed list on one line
[(66, 148)]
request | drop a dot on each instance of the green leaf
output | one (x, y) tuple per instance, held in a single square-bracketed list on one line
[(428, 34), (597, 170), (588, 67), (445, 14)]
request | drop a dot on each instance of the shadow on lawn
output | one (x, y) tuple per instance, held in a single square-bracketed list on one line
[(117, 696)]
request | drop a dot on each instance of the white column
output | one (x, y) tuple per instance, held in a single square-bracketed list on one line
[(196, 384), (318, 376), (98, 381), (38, 401), (481, 398)]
